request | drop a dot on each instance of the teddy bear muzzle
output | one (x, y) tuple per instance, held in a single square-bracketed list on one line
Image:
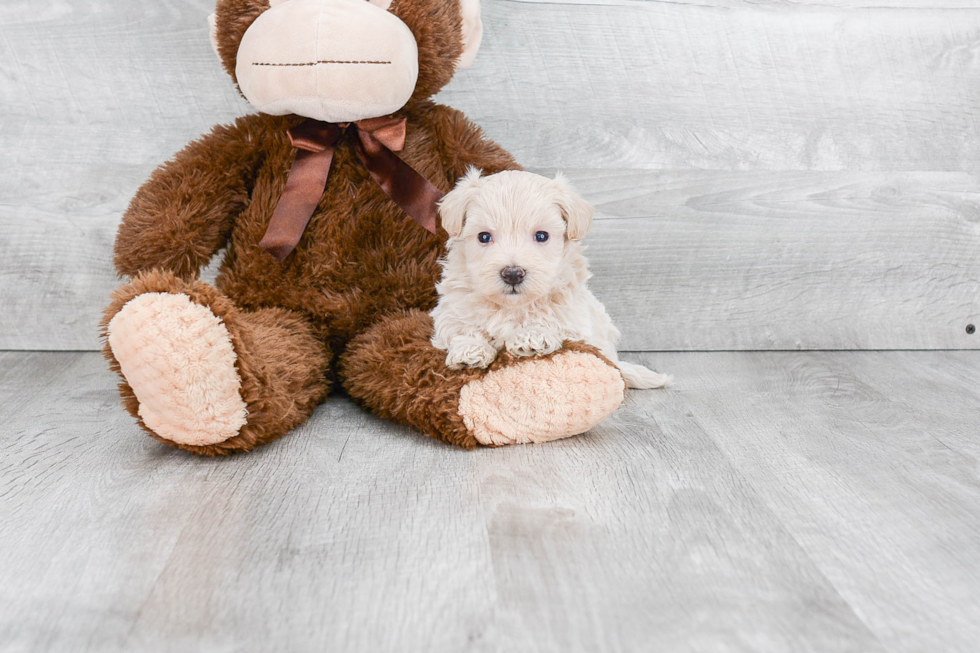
[(332, 60)]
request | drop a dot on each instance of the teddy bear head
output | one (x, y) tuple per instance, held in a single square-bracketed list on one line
[(343, 60)]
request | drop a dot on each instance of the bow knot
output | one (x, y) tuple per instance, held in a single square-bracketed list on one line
[(317, 136), (377, 140)]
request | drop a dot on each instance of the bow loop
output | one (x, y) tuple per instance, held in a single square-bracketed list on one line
[(390, 131), (315, 136)]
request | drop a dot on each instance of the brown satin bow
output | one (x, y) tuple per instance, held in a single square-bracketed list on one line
[(315, 142)]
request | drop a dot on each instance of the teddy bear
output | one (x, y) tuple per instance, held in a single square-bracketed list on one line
[(326, 279)]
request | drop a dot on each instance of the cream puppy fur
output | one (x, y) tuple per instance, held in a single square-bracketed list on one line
[(514, 275)]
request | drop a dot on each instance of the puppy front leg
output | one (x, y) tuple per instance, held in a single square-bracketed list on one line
[(465, 344), (469, 351), (534, 341)]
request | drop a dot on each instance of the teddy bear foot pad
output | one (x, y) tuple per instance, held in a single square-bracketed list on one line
[(178, 358), (541, 400)]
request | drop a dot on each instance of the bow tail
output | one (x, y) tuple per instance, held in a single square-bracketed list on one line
[(412, 192), (304, 188)]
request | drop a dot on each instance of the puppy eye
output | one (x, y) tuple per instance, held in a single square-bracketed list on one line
[(485, 237), (541, 236)]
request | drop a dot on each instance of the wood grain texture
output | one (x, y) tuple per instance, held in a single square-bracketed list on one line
[(758, 261), (96, 93), (841, 447), (769, 502), (781, 5), (732, 85)]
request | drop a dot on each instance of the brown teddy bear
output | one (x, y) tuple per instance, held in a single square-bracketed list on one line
[(325, 282)]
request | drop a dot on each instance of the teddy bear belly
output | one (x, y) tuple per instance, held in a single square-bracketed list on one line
[(360, 256), (339, 311)]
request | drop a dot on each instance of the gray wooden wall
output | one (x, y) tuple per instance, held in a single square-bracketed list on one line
[(789, 174)]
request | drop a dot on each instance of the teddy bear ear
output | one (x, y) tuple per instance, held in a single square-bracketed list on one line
[(213, 32), (452, 207), (576, 211), (472, 32)]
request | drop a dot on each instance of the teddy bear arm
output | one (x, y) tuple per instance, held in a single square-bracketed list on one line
[(184, 213)]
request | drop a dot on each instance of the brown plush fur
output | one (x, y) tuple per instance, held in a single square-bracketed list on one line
[(360, 260)]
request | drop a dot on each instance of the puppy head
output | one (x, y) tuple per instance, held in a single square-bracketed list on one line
[(514, 236)]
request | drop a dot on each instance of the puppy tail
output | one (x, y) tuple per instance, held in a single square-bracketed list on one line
[(638, 376)]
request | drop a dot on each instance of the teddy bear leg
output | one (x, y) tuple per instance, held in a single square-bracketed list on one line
[(204, 376), (395, 371)]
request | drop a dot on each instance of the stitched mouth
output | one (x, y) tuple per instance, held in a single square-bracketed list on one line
[(328, 61)]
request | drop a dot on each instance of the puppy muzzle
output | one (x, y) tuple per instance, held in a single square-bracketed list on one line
[(513, 276)]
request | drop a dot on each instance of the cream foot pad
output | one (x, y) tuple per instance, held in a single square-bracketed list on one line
[(540, 401), (178, 358)]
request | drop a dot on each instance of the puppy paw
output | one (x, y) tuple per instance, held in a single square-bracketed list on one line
[(477, 354), (533, 343)]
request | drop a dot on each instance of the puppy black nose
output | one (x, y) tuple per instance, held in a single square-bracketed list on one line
[(513, 276)]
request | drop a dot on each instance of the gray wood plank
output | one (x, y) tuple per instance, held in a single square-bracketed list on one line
[(731, 85), (758, 261), (117, 543), (106, 84), (23, 375), (934, 378), (928, 5), (642, 537), (769, 502), (850, 451), (95, 95)]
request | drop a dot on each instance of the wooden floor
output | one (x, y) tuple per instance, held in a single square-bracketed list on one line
[(768, 502)]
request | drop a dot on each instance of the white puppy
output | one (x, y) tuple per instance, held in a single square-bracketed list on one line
[(515, 277)]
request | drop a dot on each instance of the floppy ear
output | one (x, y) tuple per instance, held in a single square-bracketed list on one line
[(472, 32), (452, 208), (576, 211)]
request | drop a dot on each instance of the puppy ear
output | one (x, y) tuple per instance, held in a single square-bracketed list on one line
[(452, 207), (576, 211)]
